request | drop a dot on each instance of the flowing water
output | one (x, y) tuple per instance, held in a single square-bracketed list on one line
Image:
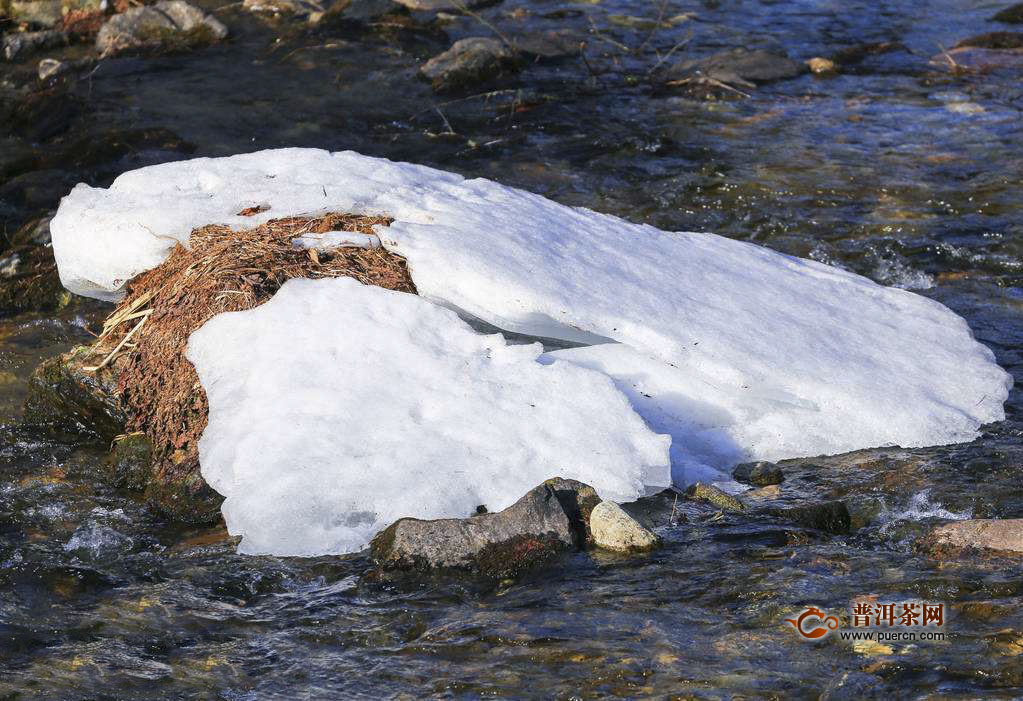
[(895, 168)]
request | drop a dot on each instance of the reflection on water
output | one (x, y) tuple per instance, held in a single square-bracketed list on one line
[(892, 168)]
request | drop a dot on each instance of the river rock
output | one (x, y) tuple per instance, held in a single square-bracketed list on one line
[(168, 22), (52, 68), (130, 461), (441, 5), (759, 474), (289, 7), (18, 44), (32, 282), (973, 59), (467, 61), (709, 493), (528, 532), (741, 66), (554, 43), (821, 66), (829, 516), (993, 40), (63, 395), (364, 10), (9, 265), (46, 13), (578, 500), (1010, 15), (987, 534), (614, 529)]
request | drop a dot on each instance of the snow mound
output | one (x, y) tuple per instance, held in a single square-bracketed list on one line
[(337, 408), (780, 356), (713, 426)]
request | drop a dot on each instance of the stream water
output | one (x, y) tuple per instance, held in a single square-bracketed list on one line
[(895, 168)]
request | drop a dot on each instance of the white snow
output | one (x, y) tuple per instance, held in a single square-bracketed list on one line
[(330, 240), (714, 426), (337, 408), (746, 353)]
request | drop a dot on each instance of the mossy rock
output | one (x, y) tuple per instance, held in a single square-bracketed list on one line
[(66, 397), (130, 463), (711, 494), (186, 498)]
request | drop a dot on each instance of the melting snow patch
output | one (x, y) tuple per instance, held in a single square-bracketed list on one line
[(337, 408), (336, 239), (736, 351)]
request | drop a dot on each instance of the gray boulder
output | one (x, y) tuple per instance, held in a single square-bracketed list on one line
[(167, 23), (468, 61), (501, 544), (18, 44), (613, 529)]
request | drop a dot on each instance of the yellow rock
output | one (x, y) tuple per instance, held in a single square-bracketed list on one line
[(872, 648), (822, 65)]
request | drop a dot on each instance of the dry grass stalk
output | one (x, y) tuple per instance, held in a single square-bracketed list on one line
[(221, 271)]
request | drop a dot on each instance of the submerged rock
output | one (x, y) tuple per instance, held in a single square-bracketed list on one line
[(502, 544), (467, 61), (614, 529), (1010, 15), (993, 40), (441, 5), (18, 44), (713, 495), (759, 474), (167, 23), (974, 59), (986, 534), (356, 11), (830, 516), (741, 66), (548, 44), (290, 7)]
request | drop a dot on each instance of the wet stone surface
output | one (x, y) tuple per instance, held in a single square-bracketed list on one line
[(901, 165)]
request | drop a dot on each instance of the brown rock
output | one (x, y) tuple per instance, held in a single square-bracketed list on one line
[(987, 534), (468, 61)]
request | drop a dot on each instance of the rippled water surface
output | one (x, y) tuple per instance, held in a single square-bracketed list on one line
[(895, 168)]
